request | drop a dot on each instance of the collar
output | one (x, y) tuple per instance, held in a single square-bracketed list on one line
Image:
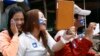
[(32, 36)]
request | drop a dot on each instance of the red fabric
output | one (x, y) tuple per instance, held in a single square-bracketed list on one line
[(82, 48)]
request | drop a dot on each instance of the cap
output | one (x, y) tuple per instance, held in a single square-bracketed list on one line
[(78, 10)]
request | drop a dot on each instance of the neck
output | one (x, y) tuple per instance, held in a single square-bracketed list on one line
[(35, 33)]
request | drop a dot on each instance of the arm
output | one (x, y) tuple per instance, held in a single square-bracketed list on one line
[(6, 45), (55, 46), (91, 52), (90, 30)]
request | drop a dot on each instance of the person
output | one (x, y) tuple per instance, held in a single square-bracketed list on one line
[(78, 45), (9, 40), (35, 38), (95, 36), (79, 16)]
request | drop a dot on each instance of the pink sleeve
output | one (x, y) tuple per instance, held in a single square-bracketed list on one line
[(8, 47)]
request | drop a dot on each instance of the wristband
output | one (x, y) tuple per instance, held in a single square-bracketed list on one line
[(64, 41)]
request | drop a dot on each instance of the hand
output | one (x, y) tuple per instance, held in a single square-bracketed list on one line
[(67, 36), (13, 27), (72, 30), (89, 30), (97, 54)]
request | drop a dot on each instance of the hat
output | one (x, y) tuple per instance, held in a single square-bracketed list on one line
[(78, 10)]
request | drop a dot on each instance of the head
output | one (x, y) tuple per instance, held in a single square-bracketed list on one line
[(35, 20), (79, 20), (79, 15), (17, 14)]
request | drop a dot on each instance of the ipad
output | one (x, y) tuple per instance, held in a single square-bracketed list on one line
[(64, 14)]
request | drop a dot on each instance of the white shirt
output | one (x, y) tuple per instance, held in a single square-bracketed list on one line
[(30, 46)]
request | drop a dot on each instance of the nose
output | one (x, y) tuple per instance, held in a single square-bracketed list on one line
[(44, 19), (19, 22)]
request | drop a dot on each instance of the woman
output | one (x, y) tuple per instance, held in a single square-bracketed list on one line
[(9, 38), (35, 39)]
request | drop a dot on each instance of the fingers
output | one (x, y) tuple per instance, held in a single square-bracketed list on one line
[(13, 26), (92, 25), (67, 36), (12, 21), (89, 30)]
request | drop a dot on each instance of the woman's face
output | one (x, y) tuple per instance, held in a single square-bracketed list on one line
[(42, 21), (19, 20)]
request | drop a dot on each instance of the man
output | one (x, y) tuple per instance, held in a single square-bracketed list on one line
[(77, 46)]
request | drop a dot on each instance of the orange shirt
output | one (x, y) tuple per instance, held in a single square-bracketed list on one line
[(8, 46)]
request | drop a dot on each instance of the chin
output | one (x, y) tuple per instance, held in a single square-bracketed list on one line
[(43, 29), (20, 29)]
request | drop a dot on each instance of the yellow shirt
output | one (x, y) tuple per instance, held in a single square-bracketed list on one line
[(8, 46)]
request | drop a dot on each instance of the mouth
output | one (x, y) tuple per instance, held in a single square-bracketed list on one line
[(19, 27), (94, 28), (44, 24)]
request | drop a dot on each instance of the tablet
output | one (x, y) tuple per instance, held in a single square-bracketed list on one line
[(64, 15)]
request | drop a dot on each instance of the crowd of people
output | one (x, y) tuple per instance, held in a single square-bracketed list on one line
[(27, 35)]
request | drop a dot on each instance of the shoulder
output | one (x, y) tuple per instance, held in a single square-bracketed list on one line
[(22, 36), (4, 34), (23, 40)]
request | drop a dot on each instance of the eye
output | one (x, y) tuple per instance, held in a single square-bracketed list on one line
[(16, 19), (42, 16)]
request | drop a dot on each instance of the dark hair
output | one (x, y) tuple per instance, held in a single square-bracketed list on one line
[(76, 16), (31, 22), (11, 13)]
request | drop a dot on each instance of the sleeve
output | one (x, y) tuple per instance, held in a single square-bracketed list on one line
[(6, 46), (22, 46)]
